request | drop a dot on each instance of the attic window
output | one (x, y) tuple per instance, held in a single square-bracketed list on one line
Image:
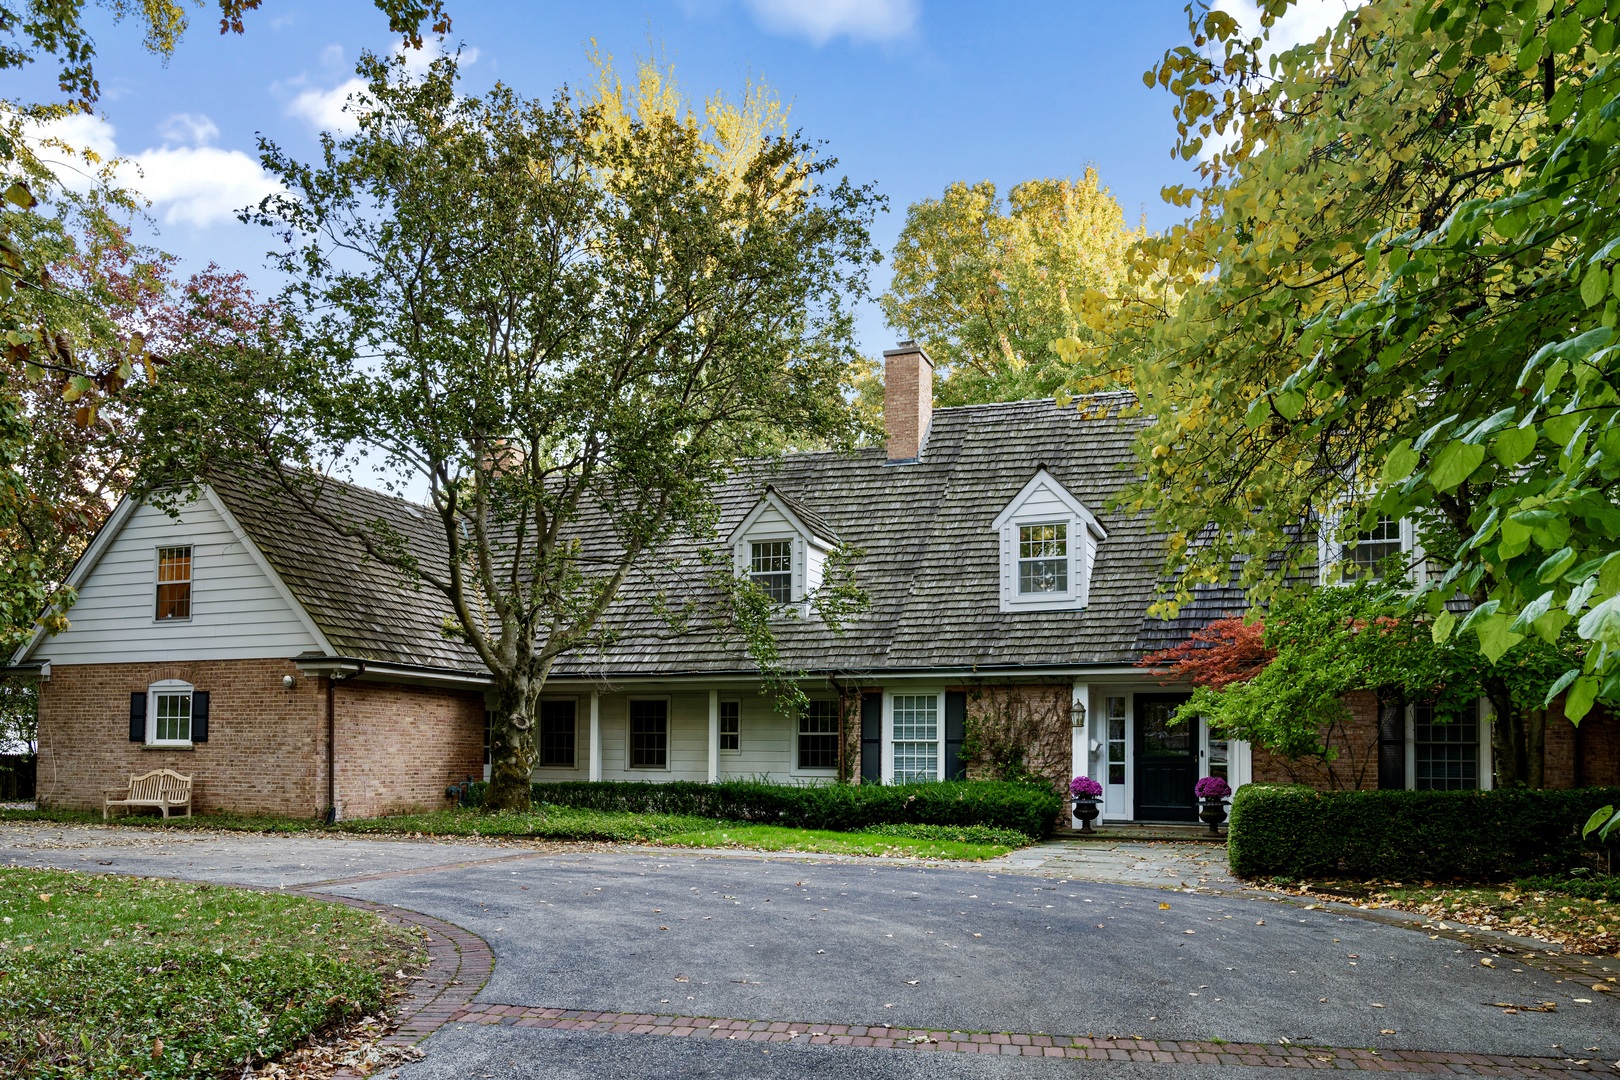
[(1043, 558), (1373, 547), (770, 566), (174, 583)]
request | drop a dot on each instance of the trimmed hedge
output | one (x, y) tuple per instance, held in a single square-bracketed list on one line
[(1026, 808), (1298, 832)]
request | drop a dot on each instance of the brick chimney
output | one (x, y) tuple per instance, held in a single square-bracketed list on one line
[(908, 399)]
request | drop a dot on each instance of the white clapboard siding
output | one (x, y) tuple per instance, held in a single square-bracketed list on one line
[(237, 612)]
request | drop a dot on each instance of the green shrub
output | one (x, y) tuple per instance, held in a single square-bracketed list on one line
[(1298, 832), (1025, 808)]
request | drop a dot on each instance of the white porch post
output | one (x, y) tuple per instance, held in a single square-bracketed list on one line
[(714, 736), (596, 735), (1080, 734)]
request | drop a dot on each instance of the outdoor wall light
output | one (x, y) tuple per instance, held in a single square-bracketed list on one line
[(288, 682), (1077, 715)]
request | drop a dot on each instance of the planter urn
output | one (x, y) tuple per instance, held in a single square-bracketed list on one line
[(1212, 811), (1085, 811)]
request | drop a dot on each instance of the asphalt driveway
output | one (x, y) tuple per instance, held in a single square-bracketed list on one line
[(857, 943)]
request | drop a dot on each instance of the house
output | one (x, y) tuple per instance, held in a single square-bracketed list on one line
[(243, 643)]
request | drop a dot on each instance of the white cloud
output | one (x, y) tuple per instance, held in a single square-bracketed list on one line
[(329, 109), (187, 180), (1305, 20), (823, 20)]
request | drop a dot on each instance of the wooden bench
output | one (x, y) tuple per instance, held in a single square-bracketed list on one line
[(163, 789)]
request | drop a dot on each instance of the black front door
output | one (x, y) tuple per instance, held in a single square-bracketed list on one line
[(1166, 760)]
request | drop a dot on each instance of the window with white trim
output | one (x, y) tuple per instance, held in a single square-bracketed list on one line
[(916, 737), (649, 734), (168, 714), (173, 583), (1445, 756), (558, 724), (1363, 554), (818, 736), (731, 725), (770, 566), (1114, 707), (1043, 558)]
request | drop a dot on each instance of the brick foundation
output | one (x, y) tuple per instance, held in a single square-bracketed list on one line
[(397, 747)]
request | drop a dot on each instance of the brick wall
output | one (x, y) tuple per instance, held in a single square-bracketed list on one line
[(265, 752), (1598, 741), (399, 746), (1355, 768)]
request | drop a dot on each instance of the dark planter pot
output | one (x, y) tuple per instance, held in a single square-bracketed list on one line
[(1212, 812), (1085, 812)]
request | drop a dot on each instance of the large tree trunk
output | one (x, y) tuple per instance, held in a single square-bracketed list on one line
[(1518, 740), (512, 748)]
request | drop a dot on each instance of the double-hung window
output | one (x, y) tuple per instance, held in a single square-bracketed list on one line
[(173, 583), (770, 566), (1043, 558), (1371, 548), (557, 733), (731, 725), (1445, 757), (818, 736), (649, 734), (916, 737)]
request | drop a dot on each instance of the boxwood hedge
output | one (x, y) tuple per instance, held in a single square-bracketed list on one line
[(1298, 832), (1027, 808)]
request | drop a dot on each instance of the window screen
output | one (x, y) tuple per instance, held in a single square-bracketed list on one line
[(1043, 558), (174, 583), (916, 738), (818, 736), (770, 565), (649, 734), (557, 733)]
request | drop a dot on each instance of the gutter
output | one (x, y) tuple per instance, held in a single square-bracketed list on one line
[(39, 668), (353, 667)]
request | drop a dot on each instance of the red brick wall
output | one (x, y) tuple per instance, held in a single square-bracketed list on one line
[(1598, 740), (399, 746), (1356, 767), (265, 752)]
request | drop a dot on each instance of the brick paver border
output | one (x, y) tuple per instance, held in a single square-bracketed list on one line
[(459, 964), (1024, 1044)]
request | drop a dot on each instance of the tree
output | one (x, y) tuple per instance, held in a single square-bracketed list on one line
[(1279, 680), (72, 290), (541, 314), (986, 288), (1394, 300)]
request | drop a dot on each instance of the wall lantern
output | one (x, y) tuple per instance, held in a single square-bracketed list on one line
[(1077, 714)]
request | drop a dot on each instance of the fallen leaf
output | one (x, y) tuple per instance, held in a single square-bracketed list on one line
[(157, 1048), (1386, 1031), (1259, 922), (1486, 961), (1378, 1005), (1164, 907)]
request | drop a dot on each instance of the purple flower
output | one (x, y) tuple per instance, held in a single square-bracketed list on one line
[(1085, 787), (1212, 787)]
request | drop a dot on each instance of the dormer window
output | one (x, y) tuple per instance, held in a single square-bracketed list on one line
[(770, 566), (781, 546), (1048, 545), (1363, 555), (1043, 558)]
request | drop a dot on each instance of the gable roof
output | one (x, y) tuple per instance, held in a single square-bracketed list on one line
[(801, 517), (1043, 478)]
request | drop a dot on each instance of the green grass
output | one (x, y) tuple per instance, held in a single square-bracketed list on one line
[(113, 977), (564, 823)]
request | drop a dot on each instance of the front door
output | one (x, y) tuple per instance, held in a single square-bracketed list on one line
[(1166, 760)]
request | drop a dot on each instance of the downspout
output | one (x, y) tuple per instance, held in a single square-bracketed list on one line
[(331, 740)]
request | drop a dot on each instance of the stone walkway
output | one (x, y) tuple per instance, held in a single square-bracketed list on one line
[(1165, 864)]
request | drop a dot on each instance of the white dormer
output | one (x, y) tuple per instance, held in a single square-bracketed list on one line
[(782, 546), (1048, 547)]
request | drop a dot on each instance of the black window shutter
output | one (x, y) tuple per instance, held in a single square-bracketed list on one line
[(955, 730), (199, 716), (871, 738), (1391, 744), (137, 716)]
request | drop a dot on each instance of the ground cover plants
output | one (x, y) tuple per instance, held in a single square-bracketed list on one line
[(579, 824), (114, 976)]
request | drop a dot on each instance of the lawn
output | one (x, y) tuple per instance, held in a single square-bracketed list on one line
[(1546, 909), (113, 977), (562, 823)]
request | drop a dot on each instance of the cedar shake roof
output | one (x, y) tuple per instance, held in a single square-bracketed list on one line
[(928, 560)]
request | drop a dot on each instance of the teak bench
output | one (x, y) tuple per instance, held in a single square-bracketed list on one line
[(163, 789)]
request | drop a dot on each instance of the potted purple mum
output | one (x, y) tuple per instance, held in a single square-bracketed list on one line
[(1086, 792), (1212, 792)]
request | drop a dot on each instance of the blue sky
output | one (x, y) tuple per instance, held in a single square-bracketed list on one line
[(908, 94)]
